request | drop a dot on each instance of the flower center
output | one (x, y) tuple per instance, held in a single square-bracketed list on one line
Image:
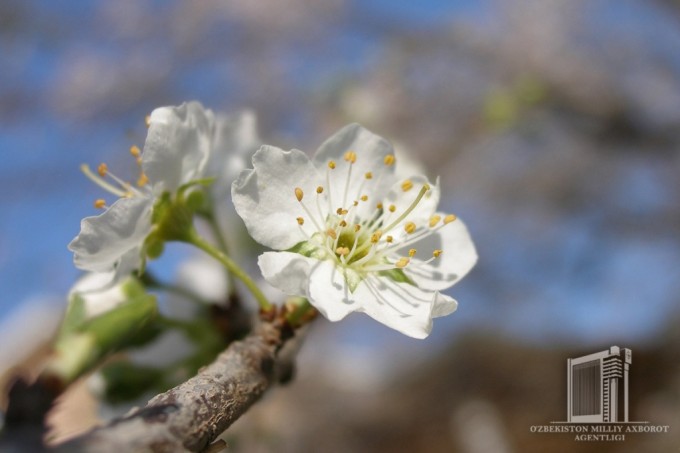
[(356, 238)]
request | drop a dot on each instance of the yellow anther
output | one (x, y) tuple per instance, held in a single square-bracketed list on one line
[(375, 237), (300, 221), (407, 185), (357, 227), (139, 160), (402, 262), (369, 175), (147, 120), (412, 253), (389, 159), (342, 251), (392, 208), (449, 218), (343, 223), (299, 194), (436, 253), (331, 232), (319, 189), (379, 206), (331, 164), (102, 169), (350, 156), (355, 203), (135, 151), (364, 198), (389, 239), (344, 211), (410, 227), (143, 180), (434, 220), (426, 186), (100, 203)]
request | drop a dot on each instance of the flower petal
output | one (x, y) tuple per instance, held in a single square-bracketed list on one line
[(177, 145), (287, 271), (329, 292), (401, 306), (236, 140), (265, 197), (458, 257), (371, 151), (106, 239)]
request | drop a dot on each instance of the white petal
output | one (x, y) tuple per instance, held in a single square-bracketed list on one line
[(443, 305), (402, 200), (289, 272), (106, 239), (401, 306), (236, 140), (265, 197), (458, 257), (370, 152), (329, 293), (98, 293), (178, 145)]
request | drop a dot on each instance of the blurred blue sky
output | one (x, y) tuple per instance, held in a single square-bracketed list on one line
[(78, 79)]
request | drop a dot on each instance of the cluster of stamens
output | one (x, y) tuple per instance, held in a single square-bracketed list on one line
[(361, 243), (119, 187)]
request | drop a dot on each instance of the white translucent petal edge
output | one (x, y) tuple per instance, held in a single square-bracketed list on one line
[(178, 145), (289, 272), (265, 198), (106, 239), (457, 259)]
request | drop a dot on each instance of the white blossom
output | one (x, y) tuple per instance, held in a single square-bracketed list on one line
[(351, 235)]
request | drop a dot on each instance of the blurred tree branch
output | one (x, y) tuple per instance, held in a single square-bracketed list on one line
[(190, 416)]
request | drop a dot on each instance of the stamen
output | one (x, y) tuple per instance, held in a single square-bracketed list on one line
[(355, 203), (389, 159), (379, 206), (357, 227), (434, 220), (407, 185), (375, 237), (422, 192), (343, 223), (331, 164), (299, 194), (412, 253), (319, 189), (100, 203), (436, 254), (331, 233), (351, 157), (364, 198), (143, 180), (300, 221), (402, 262), (410, 227), (389, 239), (368, 175), (449, 218), (100, 182), (135, 151), (102, 169), (342, 251), (392, 208)]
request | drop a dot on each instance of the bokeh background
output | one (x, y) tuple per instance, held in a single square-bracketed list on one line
[(553, 124)]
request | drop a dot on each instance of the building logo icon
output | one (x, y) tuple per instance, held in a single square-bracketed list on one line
[(597, 387), (597, 400)]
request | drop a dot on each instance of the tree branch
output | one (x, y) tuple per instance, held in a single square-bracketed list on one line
[(190, 416)]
